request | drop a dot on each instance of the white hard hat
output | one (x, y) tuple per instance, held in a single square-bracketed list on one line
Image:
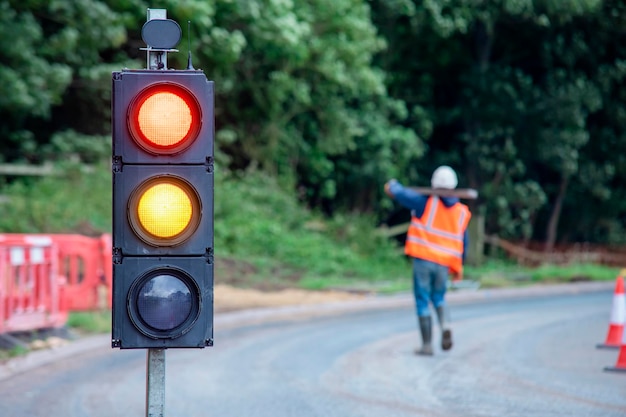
[(444, 177)]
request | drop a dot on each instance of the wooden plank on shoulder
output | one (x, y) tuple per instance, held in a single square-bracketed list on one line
[(462, 193)]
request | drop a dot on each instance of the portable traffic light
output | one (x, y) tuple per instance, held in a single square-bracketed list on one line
[(163, 135)]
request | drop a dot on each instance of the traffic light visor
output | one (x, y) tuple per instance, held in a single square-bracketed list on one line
[(164, 210), (164, 118)]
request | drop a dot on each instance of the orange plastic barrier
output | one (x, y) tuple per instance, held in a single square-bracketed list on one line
[(89, 277), (31, 292), (84, 262)]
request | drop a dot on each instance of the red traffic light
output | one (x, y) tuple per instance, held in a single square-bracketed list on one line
[(164, 118)]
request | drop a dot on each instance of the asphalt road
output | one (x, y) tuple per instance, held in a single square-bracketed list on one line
[(512, 357)]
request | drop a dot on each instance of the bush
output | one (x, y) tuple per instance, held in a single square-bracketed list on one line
[(76, 200), (257, 221)]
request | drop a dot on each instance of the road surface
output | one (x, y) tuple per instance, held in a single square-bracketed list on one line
[(513, 357)]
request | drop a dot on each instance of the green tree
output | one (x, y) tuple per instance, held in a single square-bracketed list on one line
[(508, 92), (56, 61), (298, 96)]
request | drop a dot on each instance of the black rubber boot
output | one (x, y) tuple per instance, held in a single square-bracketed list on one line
[(426, 328), (446, 333)]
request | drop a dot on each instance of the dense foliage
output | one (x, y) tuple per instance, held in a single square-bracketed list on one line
[(525, 98)]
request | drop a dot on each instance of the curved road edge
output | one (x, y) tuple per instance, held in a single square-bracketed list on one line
[(264, 315)]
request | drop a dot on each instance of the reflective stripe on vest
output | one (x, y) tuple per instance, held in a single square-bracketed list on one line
[(438, 235)]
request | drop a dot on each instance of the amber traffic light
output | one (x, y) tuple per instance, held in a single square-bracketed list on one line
[(164, 210)]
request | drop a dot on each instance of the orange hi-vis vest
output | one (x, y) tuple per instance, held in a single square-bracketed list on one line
[(437, 236)]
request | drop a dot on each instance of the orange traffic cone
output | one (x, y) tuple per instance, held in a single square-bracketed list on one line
[(618, 317), (620, 366)]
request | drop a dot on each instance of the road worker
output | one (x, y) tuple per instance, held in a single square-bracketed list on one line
[(436, 242)]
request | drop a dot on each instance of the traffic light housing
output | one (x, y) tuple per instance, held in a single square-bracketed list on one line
[(163, 139)]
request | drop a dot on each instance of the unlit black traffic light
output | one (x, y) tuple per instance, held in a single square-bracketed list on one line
[(163, 138)]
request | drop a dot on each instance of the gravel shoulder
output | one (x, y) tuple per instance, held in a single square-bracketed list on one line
[(228, 298)]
